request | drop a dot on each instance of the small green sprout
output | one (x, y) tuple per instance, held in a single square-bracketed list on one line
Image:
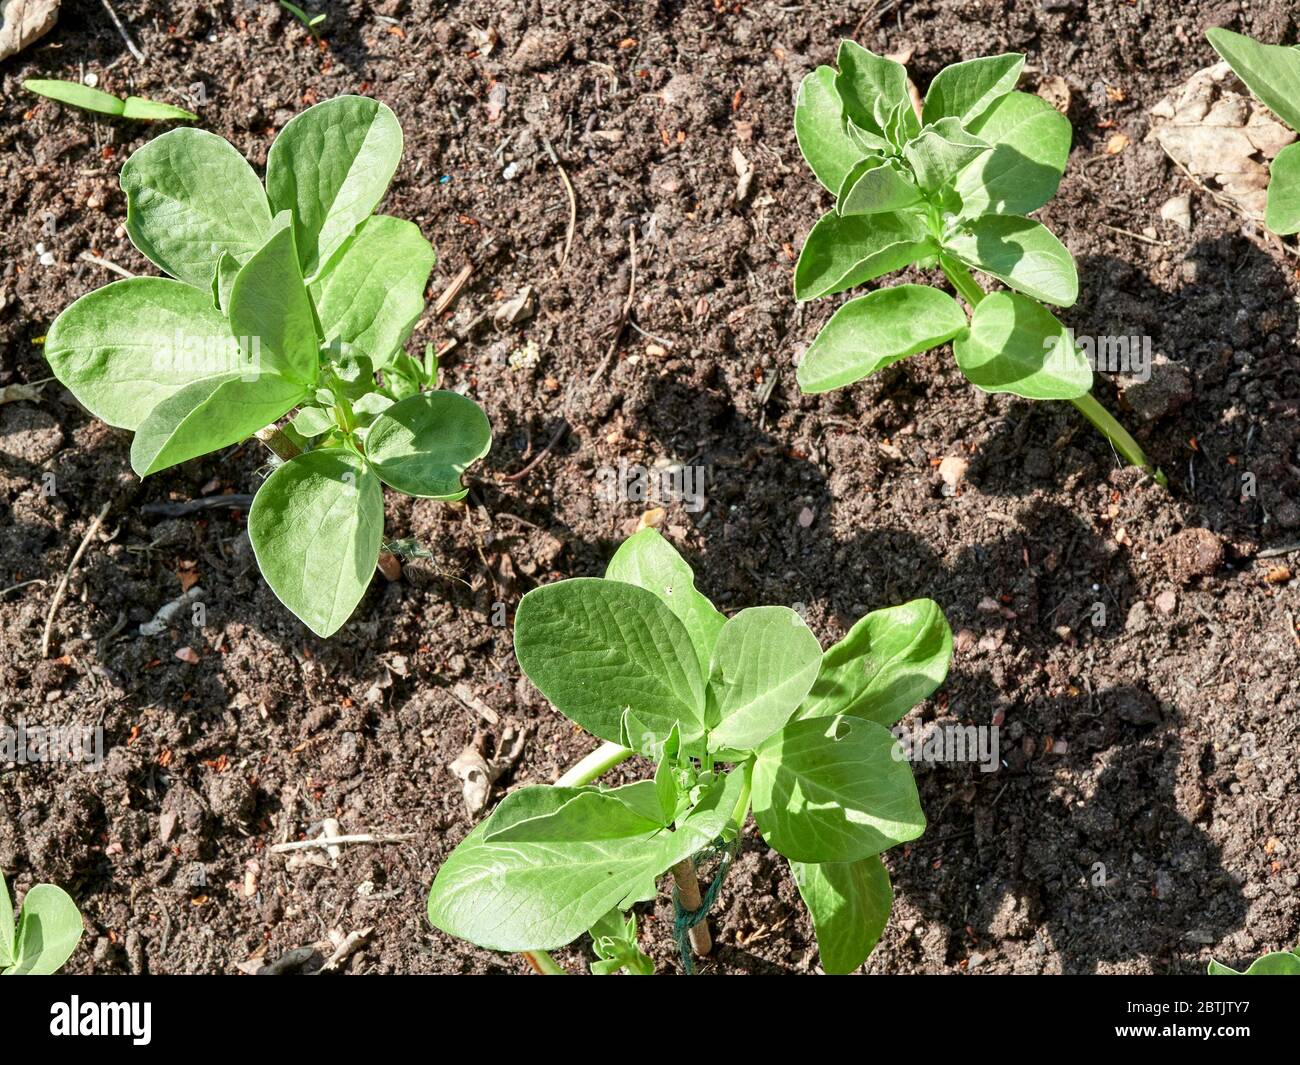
[(290, 298), (736, 713), (1271, 72), (48, 929), (953, 189), (83, 96), (312, 22)]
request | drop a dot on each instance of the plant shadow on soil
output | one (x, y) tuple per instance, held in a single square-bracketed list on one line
[(1107, 865)]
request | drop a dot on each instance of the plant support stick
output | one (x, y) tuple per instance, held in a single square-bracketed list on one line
[(688, 893), (969, 290)]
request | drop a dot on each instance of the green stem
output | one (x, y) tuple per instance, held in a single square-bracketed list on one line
[(969, 289), (543, 964), (597, 763), (742, 806)]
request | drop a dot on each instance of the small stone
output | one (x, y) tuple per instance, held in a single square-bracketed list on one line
[(806, 517), (1178, 210), (952, 469), (1192, 553), (1167, 601), (188, 654)]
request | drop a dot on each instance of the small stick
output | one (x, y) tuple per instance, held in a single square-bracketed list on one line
[(107, 264), (63, 583), (573, 205), (346, 949), (20, 584), (555, 439), (177, 510), (449, 294), (472, 702), (1137, 236), (688, 893), (1274, 552), (337, 841), (130, 44)]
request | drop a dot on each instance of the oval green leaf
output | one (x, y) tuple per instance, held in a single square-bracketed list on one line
[(316, 526), (1016, 345), (828, 150), (189, 197), (1021, 253), (49, 929), (596, 648), (422, 445), (271, 312), (832, 790), (872, 331), (844, 251), (849, 903), (876, 186), (1270, 71), (964, 91), (1031, 143), (331, 166), (1282, 214)]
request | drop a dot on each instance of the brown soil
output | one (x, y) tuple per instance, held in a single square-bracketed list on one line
[(1161, 744)]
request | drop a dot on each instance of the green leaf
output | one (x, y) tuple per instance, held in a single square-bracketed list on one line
[(312, 421), (1016, 345), (373, 293), (765, 661), (189, 197), (870, 87), (613, 940), (868, 333), (422, 445), (316, 527), (210, 414), (940, 151), (269, 302), (223, 280), (1031, 143), (842, 252), (964, 91), (596, 647), (1270, 71), (876, 186), (1021, 253), (585, 815), (1282, 215), (649, 561), (849, 903), (832, 790), (1279, 963), (124, 348), (886, 664), (331, 166), (666, 790), (828, 150), (78, 95), (538, 895), (6, 926), (49, 929)]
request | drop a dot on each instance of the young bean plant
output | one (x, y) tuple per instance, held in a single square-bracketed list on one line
[(47, 931), (951, 188), (1271, 72), (292, 297), (736, 713)]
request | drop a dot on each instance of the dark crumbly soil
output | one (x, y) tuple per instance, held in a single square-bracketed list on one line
[(1154, 753)]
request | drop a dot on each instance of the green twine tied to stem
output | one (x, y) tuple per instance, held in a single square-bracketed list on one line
[(684, 920)]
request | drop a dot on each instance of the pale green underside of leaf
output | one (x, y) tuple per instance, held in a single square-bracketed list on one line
[(831, 790), (373, 293), (765, 660), (876, 186), (597, 647), (1017, 346), (331, 166), (124, 348), (940, 151), (1270, 71), (886, 664), (649, 561), (828, 150), (843, 252), (208, 415), (871, 332), (1021, 253), (422, 445), (849, 903), (964, 91), (539, 895), (190, 196), (1031, 143), (49, 929), (316, 526), (870, 87), (1282, 214)]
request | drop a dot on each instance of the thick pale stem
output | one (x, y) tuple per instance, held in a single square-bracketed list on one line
[(278, 443), (1105, 423), (543, 964), (600, 761), (688, 893)]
